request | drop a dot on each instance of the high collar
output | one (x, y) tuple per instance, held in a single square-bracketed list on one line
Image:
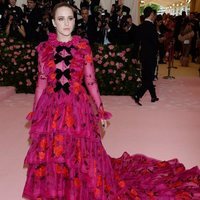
[(52, 40)]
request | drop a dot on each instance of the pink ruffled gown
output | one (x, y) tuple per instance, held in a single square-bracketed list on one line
[(66, 159)]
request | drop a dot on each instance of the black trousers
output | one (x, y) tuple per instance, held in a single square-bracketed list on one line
[(147, 76)]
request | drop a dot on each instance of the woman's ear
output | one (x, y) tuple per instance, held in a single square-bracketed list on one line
[(53, 22)]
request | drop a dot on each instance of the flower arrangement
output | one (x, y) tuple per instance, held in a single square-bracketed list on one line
[(18, 64), (115, 72)]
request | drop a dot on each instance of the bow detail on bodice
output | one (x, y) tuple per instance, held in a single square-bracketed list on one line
[(60, 73), (65, 87), (58, 57)]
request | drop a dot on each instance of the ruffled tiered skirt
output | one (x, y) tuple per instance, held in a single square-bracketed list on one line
[(67, 161)]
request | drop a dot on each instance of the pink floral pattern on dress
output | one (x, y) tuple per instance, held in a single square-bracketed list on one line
[(66, 159)]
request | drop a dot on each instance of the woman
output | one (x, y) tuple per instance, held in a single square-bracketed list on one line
[(66, 159), (185, 37), (15, 29)]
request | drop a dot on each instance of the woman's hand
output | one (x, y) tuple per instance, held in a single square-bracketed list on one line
[(104, 123)]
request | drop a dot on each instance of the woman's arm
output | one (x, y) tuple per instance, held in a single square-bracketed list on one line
[(92, 86), (22, 31)]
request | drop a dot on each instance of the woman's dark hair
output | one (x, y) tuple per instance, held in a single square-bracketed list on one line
[(59, 5), (159, 18)]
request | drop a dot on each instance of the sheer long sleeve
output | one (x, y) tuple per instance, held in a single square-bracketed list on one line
[(92, 86), (40, 86)]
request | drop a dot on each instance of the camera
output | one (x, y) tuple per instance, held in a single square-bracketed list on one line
[(71, 2), (27, 11), (103, 16), (117, 8)]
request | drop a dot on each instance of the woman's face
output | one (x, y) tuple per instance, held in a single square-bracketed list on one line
[(64, 21)]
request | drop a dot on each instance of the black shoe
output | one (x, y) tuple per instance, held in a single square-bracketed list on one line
[(154, 99), (136, 99), (161, 62)]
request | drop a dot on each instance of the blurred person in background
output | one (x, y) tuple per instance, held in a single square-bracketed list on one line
[(33, 17), (161, 39), (185, 37), (86, 26), (148, 43), (15, 29), (2, 15), (92, 5), (14, 22)]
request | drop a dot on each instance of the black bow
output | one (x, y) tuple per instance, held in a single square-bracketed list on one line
[(66, 73), (59, 86), (58, 58)]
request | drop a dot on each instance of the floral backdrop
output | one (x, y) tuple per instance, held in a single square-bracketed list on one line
[(115, 72)]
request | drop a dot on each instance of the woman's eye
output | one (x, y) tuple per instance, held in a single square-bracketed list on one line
[(71, 18), (60, 19)]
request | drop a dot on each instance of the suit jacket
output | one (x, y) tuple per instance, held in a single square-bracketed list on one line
[(92, 5), (88, 30), (148, 39)]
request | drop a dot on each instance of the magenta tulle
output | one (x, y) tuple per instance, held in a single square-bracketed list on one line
[(66, 159)]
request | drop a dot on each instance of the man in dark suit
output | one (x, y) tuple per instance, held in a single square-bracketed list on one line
[(33, 16), (86, 26), (148, 40), (91, 5), (128, 31)]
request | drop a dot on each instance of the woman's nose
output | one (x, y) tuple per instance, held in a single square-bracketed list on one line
[(66, 22)]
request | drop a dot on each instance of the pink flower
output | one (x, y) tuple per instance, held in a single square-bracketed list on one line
[(123, 76), (121, 65), (112, 63), (21, 69), (11, 48), (28, 82), (106, 56), (13, 60), (113, 54), (103, 71), (110, 71), (111, 47), (96, 57), (111, 82), (101, 48), (99, 62), (99, 51), (128, 49), (130, 78), (32, 54), (20, 83), (105, 64), (11, 40), (123, 52), (17, 46)]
